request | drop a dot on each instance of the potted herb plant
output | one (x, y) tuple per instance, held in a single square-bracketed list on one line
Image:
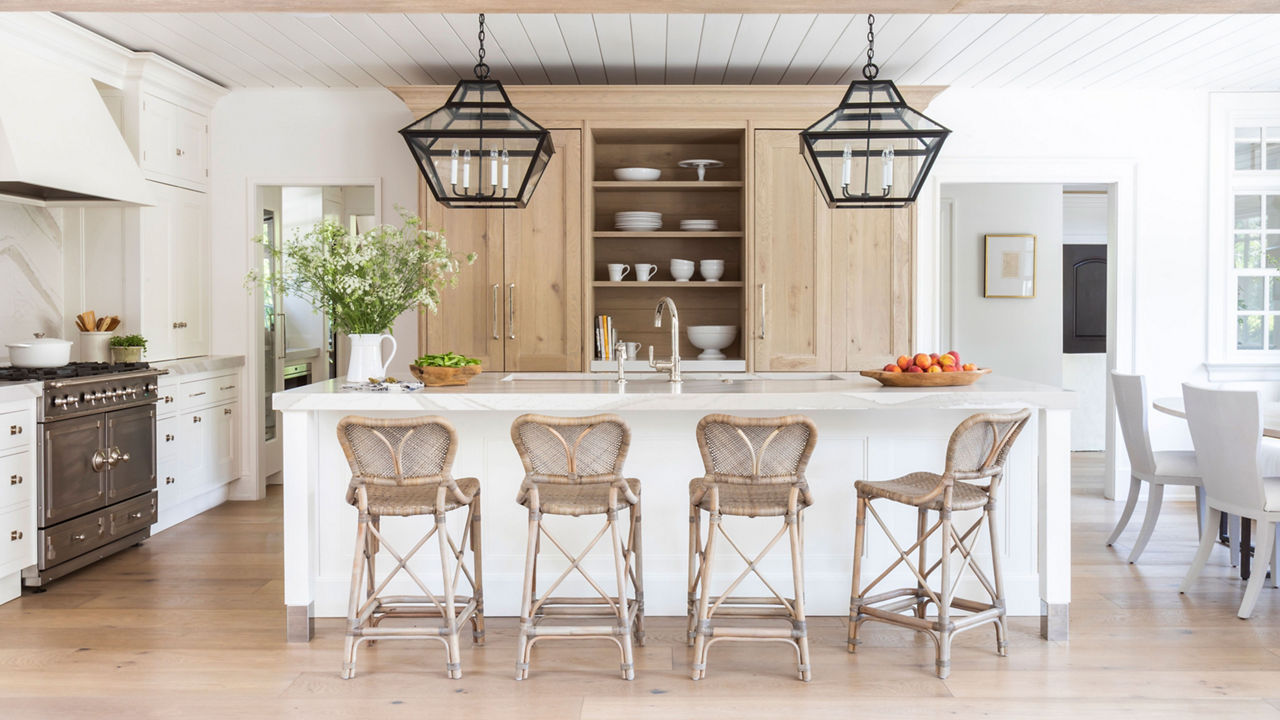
[(364, 281), (127, 348)]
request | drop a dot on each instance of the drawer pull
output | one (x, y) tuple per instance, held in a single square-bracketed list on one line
[(227, 387), (79, 537), (137, 515), (15, 535), (168, 437), (196, 394), (178, 152), (15, 429), (226, 411), (168, 399), (196, 419), (169, 481), (15, 479)]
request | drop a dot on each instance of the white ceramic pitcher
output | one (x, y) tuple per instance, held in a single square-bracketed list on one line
[(366, 357)]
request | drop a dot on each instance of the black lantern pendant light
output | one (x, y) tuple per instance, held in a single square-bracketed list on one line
[(873, 151), (479, 151)]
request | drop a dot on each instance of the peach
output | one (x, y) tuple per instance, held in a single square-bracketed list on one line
[(904, 362), (914, 369), (949, 368), (934, 368), (968, 367), (892, 367), (946, 361), (934, 357), (923, 361), (955, 355)]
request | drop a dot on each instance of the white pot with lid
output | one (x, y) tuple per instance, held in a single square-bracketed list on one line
[(40, 352)]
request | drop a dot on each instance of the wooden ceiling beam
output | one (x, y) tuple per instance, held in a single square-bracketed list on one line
[(653, 6)]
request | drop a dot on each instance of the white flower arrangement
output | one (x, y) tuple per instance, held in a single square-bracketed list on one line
[(364, 281)]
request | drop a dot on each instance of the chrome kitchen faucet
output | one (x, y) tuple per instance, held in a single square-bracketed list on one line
[(672, 366)]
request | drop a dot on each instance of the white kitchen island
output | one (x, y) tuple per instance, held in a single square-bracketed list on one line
[(865, 431)]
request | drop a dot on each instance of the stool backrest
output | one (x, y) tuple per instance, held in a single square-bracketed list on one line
[(740, 450), (980, 444), (571, 450), (1130, 392), (398, 451), (1226, 430)]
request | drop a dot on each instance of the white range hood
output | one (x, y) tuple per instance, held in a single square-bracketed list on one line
[(58, 143)]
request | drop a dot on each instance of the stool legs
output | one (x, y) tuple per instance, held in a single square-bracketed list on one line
[(695, 571), (361, 556), (635, 549), (855, 597), (477, 619), (1002, 628), (526, 602)]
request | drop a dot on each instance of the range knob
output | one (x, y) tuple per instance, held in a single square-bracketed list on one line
[(61, 401), (150, 387), (99, 395)]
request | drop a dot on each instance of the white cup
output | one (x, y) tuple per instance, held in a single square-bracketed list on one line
[(681, 270), (711, 270), (633, 348), (645, 272), (617, 271)]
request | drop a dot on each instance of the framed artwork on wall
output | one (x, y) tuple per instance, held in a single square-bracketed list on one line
[(1010, 268)]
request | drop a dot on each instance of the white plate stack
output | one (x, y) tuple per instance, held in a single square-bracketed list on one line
[(695, 225), (637, 221)]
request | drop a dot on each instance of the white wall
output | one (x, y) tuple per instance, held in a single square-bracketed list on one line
[(1162, 135), (281, 137), (1013, 336)]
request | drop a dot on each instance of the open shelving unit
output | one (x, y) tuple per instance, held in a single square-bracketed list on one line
[(678, 195)]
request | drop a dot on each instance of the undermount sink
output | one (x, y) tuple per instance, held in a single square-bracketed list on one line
[(631, 377)]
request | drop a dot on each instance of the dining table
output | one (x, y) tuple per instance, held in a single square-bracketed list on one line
[(1174, 406)]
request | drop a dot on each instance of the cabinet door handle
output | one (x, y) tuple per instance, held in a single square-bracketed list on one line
[(15, 479), (494, 315), (226, 411), (178, 152), (168, 481), (284, 336), (511, 311), (168, 437), (196, 419), (15, 535), (763, 316), (15, 429)]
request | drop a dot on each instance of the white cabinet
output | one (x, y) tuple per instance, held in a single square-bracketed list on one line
[(173, 252), (17, 495), (197, 444), (173, 143)]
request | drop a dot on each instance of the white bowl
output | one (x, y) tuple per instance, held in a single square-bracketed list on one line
[(681, 270), (637, 174), (711, 270), (711, 339)]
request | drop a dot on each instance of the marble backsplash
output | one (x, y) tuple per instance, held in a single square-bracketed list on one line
[(31, 275)]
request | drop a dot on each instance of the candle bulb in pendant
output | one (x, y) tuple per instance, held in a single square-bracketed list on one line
[(493, 168), (466, 170), (453, 166), (506, 168), (846, 165), (886, 158)]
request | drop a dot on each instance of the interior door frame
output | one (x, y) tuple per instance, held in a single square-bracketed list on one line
[(931, 305), (252, 402)]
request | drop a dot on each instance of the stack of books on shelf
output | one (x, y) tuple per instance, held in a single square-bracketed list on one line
[(606, 337)]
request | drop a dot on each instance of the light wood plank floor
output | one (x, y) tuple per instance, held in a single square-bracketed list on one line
[(191, 625)]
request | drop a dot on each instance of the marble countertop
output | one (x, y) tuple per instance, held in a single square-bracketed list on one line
[(11, 392), (579, 392), (207, 363)]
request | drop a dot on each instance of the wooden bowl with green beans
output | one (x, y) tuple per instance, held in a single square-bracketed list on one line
[(445, 369)]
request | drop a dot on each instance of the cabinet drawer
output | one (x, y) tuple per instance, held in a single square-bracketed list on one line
[(72, 538), (17, 429), (17, 481), (226, 388), (197, 394), (167, 399), (132, 516), (17, 539)]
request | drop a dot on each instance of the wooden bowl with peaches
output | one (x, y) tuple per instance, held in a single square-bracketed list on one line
[(927, 370)]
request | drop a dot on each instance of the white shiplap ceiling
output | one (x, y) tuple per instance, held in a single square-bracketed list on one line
[(1216, 52)]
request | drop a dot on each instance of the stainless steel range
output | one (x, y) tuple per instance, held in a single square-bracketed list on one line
[(96, 463)]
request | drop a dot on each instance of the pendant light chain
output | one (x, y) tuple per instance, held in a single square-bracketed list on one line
[(870, 70), (482, 68)]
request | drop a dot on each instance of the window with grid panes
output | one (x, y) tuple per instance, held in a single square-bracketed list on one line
[(1255, 215)]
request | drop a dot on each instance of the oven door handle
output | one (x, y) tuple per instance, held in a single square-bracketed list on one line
[(115, 457), (100, 461)]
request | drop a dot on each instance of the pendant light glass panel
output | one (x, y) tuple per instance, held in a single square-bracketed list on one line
[(478, 150)]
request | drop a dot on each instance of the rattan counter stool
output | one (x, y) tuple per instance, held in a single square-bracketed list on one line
[(754, 468), (402, 467), (976, 451), (573, 466)]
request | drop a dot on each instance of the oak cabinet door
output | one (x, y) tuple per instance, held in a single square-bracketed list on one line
[(791, 303), (470, 316), (542, 258), (871, 287)]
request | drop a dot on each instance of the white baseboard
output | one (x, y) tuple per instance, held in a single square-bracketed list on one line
[(191, 507)]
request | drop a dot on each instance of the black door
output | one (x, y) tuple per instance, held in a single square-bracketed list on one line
[(75, 480), (1084, 298), (131, 443)]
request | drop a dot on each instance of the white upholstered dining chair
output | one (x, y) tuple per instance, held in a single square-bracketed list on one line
[(1155, 468), (1226, 429)]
